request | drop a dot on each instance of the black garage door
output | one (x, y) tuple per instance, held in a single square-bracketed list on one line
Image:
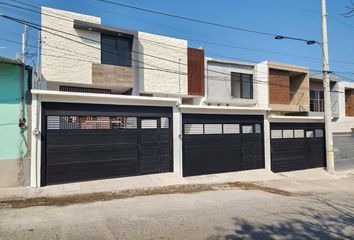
[(297, 146), (86, 141), (221, 143)]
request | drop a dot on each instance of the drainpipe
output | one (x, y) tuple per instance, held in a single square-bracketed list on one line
[(179, 81), (206, 83)]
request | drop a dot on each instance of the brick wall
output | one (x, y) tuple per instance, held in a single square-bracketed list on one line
[(349, 103), (279, 87), (195, 71)]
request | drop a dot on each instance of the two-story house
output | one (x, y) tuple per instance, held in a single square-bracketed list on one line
[(296, 139), (112, 100)]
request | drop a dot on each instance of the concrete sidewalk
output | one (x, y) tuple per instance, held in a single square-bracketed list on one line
[(263, 177)]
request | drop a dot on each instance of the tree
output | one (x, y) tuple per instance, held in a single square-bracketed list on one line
[(350, 11)]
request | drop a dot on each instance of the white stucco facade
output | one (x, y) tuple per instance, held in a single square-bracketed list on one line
[(159, 66), (261, 84), (218, 78), (67, 54), (344, 123), (218, 83)]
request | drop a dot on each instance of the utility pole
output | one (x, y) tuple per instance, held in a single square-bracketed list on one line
[(22, 120), (327, 95)]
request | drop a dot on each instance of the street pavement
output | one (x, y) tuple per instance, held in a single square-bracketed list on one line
[(232, 213)]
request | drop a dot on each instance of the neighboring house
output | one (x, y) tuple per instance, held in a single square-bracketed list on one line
[(342, 116), (15, 83), (296, 139), (343, 127)]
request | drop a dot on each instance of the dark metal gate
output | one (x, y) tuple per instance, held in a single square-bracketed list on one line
[(297, 146), (221, 143), (86, 141)]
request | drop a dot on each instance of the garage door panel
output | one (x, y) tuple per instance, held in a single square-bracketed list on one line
[(200, 141), (206, 167), (297, 146), (165, 135), (149, 136), (213, 143), (91, 154), (85, 142), (83, 137), (165, 149), (89, 171), (149, 150)]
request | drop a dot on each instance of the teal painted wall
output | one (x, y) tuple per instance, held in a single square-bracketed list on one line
[(13, 140)]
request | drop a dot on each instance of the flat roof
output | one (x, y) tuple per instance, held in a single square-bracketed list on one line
[(78, 24), (227, 61), (10, 61)]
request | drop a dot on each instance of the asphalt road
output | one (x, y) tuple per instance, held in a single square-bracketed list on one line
[(222, 214)]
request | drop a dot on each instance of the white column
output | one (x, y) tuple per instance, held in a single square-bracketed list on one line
[(177, 141), (36, 142), (267, 147)]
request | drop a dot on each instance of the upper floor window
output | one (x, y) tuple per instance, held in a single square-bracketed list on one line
[(316, 101), (116, 50), (241, 85)]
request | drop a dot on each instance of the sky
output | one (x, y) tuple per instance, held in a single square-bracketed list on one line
[(300, 18)]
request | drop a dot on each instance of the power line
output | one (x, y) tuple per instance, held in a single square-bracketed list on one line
[(195, 40), (257, 81), (188, 18), (168, 70), (22, 22)]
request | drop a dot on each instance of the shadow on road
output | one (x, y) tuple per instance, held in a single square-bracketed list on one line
[(325, 219)]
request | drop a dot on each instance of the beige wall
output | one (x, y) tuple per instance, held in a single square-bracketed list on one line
[(300, 87), (73, 66), (9, 173), (162, 82)]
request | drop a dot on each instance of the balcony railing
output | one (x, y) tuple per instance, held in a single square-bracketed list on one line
[(316, 105)]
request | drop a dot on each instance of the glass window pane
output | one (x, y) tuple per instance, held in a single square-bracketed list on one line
[(312, 94), (148, 123), (321, 95), (247, 129), (124, 52), (258, 128), (193, 128), (235, 85), (116, 50), (299, 133), (247, 86), (319, 133), (231, 128), (212, 128), (164, 122), (124, 122), (131, 122), (53, 122), (276, 134), (288, 133), (309, 134), (108, 50)]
